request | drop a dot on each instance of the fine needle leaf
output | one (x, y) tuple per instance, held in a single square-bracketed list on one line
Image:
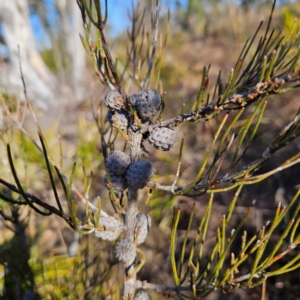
[(50, 174)]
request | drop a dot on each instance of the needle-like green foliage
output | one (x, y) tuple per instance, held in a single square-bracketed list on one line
[(267, 65)]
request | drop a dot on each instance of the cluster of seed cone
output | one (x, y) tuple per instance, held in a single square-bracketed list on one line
[(122, 173), (147, 105), (112, 228), (125, 249)]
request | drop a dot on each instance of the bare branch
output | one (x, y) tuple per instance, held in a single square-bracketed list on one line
[(155, 22)]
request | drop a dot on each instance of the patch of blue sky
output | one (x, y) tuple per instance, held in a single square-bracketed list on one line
[(118, 19), (42, 39), (3, 48), (118, 13)]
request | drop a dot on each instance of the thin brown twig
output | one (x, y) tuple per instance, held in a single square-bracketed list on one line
[(155, 23), (24, 85)]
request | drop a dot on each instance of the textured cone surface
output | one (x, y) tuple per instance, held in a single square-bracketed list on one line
[(119, 183), (143, 224), (133, 98), (142, 295), (162, 138), (125, 251), (114, 226), (140, 173), (120, 117), (117, 162), (113, 99), (146, 104)]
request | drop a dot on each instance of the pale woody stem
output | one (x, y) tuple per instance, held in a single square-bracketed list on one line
[(131, 212)]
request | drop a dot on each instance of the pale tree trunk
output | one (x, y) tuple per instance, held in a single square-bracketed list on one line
[(69, 31), (41, 83), (66, 41), (77, 51)]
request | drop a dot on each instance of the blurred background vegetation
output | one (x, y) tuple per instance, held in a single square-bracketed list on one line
[(43, 254)]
